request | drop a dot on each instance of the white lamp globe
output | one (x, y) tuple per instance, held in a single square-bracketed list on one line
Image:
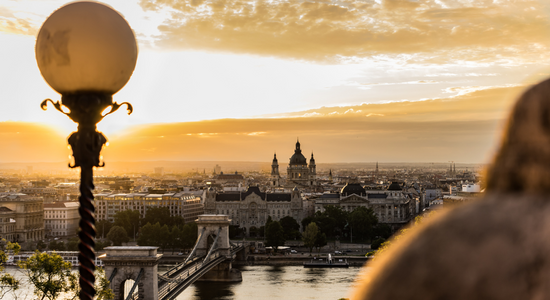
[(86, 47)]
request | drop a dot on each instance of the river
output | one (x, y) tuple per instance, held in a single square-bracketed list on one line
[(262, 282)]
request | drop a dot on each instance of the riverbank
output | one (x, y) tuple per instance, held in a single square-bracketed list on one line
[(274, 260), (294, 260)]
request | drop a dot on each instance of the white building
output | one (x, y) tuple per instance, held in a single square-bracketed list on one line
[(471, 188), (61, 218), (391, 206)]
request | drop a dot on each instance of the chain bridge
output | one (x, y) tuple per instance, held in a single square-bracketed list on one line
[(210, 260)]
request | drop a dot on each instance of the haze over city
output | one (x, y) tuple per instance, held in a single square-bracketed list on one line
[(355, 81)]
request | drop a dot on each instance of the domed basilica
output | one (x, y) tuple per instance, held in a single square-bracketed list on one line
[(298, 171)]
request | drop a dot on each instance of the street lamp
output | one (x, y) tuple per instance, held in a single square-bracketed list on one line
[(87, 52)]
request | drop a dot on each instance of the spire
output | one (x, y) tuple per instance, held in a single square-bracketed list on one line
[(297, 144)]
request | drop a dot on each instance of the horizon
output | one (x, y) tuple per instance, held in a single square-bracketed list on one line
[(383, 80)]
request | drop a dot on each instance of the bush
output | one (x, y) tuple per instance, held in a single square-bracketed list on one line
[(370, 253), (377, 243)]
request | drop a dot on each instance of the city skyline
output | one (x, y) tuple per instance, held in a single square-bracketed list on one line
[(388, 81)]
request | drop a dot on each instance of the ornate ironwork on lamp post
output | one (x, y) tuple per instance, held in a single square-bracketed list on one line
[(87, 52)]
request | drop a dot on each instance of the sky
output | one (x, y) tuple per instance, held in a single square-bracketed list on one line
[(355, 80)]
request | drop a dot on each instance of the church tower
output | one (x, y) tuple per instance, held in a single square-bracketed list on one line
[(312, 171), (330, 175), (275, 171)]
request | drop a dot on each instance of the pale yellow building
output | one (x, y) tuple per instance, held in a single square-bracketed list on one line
[(22, 217)]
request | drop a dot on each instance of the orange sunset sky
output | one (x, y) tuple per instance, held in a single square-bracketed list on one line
[(232, 80)]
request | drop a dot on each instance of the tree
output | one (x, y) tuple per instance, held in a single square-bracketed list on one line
[(310, 235), (275, 235), (382, 230), (8, 283), (291, 228), (159, 215), (320, 241), (56, 246), (103, 227), (306, 221), (129, 220), (118, 235), (325, 223), (100, 245), (49, 275), (189, 235), (41, 245), (362, 220), (72, 245), (339, 218), (175, 238), (164, 236)]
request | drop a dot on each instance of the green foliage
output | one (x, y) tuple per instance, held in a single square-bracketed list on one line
[(147, 235), (383, 230), (362, 220), (310, 235), (118, 235), (129, 220), (189, 234), (102, 286), (8, 283), (155, 235), (100, 245), (41, 246), (291, 228), (275, 235), (49, 275), (320, 241), (162, 216), (164, 236), (339, 219), (56, 246), (377, 243), (72, 245), (103, 227)]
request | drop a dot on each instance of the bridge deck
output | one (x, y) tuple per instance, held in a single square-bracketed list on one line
[(177, 279)]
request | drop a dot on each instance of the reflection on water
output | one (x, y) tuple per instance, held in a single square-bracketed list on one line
[(278, 283), (207, 290), (259, 282)]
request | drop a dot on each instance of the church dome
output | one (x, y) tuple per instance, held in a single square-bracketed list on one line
[(298, 158), (353, 188)]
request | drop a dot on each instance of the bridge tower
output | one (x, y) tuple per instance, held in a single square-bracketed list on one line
[(137, 264), (211, 226), (217, 226)]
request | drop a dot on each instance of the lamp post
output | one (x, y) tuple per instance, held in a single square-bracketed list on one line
[(87, 52)]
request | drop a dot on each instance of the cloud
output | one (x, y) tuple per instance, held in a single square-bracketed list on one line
[(468, 103), (11, 23), (323, 31)]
